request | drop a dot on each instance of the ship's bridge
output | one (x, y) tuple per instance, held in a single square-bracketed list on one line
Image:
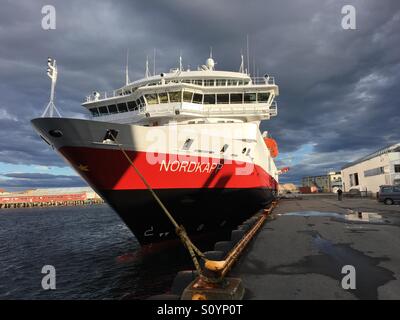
[(200, 96)]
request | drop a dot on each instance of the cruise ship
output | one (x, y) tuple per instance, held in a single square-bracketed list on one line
[(194, 136)]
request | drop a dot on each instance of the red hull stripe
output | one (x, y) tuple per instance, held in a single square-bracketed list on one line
[(107, 169)]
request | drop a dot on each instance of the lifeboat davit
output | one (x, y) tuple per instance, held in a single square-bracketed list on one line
[(272, 147)]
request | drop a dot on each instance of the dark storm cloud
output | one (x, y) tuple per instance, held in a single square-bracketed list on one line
[(40, 180), (339, 88)]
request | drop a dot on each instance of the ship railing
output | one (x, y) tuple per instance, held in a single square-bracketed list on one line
[(97, 96), (263, 80)]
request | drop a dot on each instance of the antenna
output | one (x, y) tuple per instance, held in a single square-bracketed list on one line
[(127, 68), (180, 60), (241, 68), (52, 73), (154, 62), (248, 58), (147, 72), (211, 52)]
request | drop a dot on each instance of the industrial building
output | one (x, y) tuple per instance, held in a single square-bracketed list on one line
[(48, 197), (329, 182), (368, 173)]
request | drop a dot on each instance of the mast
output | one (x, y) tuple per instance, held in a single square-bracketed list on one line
[(52, 73), (127, 68)]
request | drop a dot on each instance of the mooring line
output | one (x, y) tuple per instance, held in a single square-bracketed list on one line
[(179, 230)]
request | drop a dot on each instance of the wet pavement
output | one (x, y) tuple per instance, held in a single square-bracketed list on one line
[(302, 248)]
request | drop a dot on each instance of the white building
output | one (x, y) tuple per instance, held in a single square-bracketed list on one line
[(368, 173)]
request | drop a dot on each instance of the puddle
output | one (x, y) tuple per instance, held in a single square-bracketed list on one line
[(351, 215), (313, 214)]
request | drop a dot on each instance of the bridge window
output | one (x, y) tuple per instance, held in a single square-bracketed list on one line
[(198, 98), (132, 105), (236, 97), (209, 99), (222, 98), (208, 83), (138, 103), (95, 112), (187, 96), (163, 97), (142, 102), (198, 82), (221, 82), (263, 96), (112, 109), (250, 98), (151, 98), (122, 107), (103, 110), (232, 82), (175, 96)]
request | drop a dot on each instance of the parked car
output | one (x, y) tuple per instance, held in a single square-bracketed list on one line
[(389, 194)]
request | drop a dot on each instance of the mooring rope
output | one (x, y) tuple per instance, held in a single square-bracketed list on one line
[(179, 230)]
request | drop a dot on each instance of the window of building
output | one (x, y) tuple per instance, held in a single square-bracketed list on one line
[(222, 98), (163, 97), (250, 98), (198, 82), (151, 98), (187, 96), (132, 105), (356, 183), (103, 110), (95, 112), (122, 107), (112, 109), (397, 168), (236, 98), (175, 96), (374, 172), (197, 98), (263, 96), (209, 99), (221, 82), (208, 83)]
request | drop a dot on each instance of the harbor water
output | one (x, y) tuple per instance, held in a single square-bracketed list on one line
[(94, 254)]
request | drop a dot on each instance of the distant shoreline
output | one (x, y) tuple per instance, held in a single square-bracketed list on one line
[(74, 203)]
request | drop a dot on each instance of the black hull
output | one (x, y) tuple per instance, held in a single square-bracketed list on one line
[(200, 211)]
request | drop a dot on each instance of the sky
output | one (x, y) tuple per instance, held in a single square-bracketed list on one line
[(339, 89)]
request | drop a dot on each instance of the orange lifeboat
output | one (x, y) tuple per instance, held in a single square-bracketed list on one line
[(272, 147)]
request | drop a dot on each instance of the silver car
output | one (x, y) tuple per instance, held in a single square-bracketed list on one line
[(389, 194)]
